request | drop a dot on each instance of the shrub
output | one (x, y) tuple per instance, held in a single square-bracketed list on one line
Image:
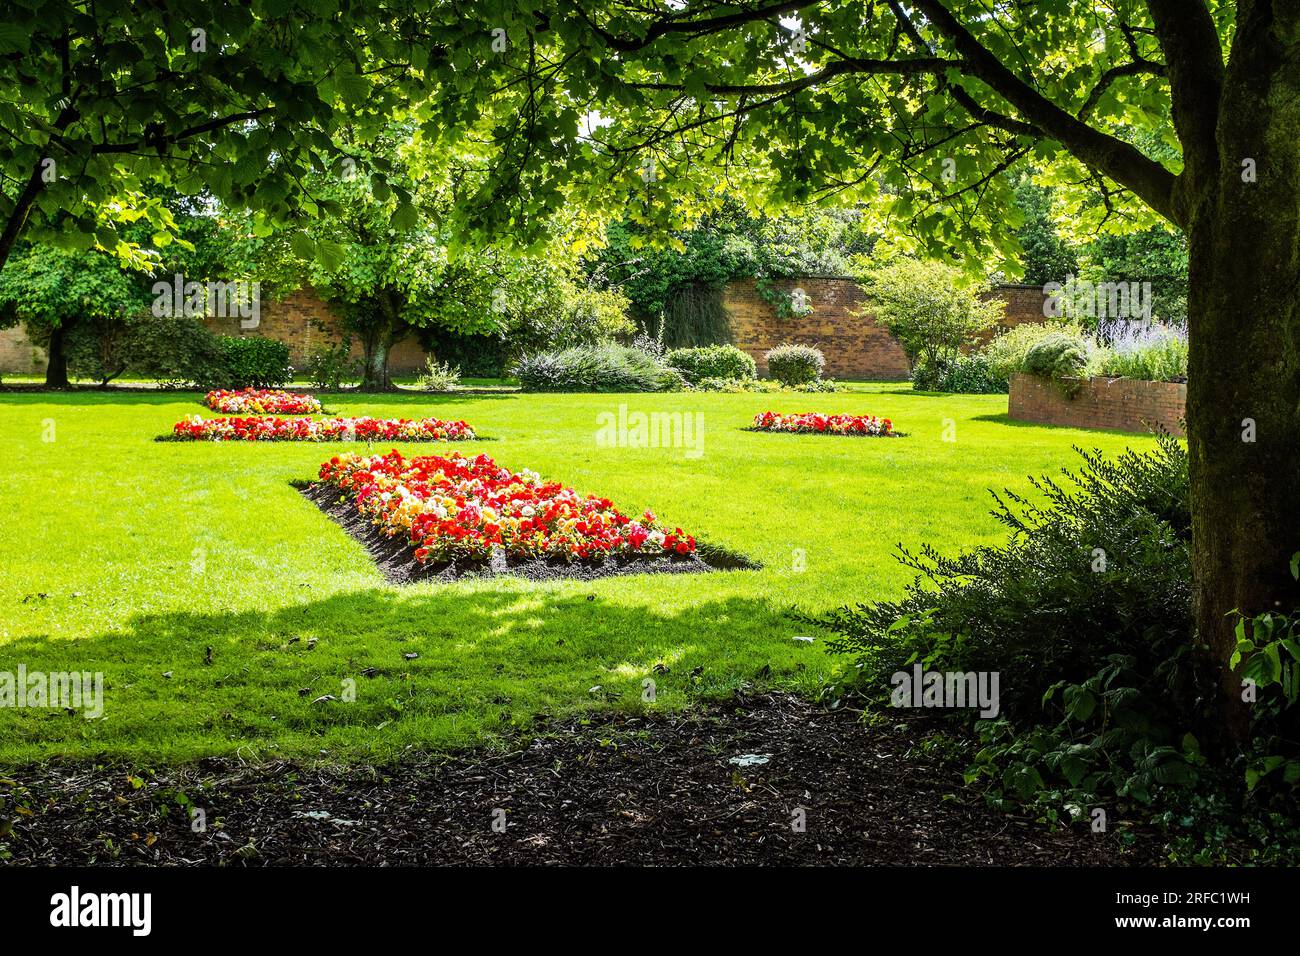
[(438, 377), (1143, 350), (171, 351), (251, 361), (795, 364), (477, 356), (329, 367), (930, 307), (1005, 354), (1057, 356), (596, 368), (712, 361), (98, 348), (968, 374), (176, 351), (1085, 613)]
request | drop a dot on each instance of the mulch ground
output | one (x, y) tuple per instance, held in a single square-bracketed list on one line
[(395, 558), (726, 785)]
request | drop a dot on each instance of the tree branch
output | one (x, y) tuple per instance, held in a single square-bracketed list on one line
[(1194, 60), (1115, 158), (693, 27), (848, 65)]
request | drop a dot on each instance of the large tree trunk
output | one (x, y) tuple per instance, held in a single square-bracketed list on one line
[(56, 369), (374, 376), (383, 333), (1243, 395)]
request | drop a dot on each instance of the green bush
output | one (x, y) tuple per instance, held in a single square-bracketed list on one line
[(251, 361), (569, 318), (1086, 615), (1057, 356), (98, 348), (596, 368), (477, 356), (1005, 354), (171, 351), (712, 361), (331, 366), (438, 377), (795, 364), (967, 374)]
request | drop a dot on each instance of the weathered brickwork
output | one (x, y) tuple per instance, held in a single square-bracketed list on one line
[(1121, 404), (301, 319), (306, 322), (18, 356), (854, 345)]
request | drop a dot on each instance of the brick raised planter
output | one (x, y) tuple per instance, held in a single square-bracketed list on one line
[(1121, 404)]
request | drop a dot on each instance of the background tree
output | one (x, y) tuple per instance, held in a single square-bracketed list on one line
[(931, 308), (919, 108), (393, 272), (1047, 257), (54, 291)]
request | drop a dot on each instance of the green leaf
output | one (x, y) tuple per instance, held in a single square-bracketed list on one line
[(404, 217), (303, 246)]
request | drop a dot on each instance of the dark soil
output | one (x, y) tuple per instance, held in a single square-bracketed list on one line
[(396, 558), (618, 789)]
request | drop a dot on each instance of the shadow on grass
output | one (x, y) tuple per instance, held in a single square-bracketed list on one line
[(1002, 418), (1005, 419), (428, 671)]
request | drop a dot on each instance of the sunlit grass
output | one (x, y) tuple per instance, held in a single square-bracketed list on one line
[(132, 557)]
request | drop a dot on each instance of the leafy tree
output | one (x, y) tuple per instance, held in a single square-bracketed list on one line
[(1046, 257), (53, 291), (918, 108), (928, 307), (98, 100), (1155, 255), (393, 273)]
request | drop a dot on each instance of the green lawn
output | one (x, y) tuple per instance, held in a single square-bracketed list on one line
[(149, 553)]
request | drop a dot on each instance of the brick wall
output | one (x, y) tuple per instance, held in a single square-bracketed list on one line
[(301, 319), (306, 322), (854, 345), (18, 356), (1121, 404)]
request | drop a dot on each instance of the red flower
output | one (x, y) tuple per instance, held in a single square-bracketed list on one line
[(824, 424)]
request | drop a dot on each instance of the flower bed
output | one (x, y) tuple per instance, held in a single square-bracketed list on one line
[(261, 401), (817, 423), (455, 507), (261, 428)]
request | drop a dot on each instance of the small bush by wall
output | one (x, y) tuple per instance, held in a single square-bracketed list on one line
[(795, 364), (248, 362), (714, 361)]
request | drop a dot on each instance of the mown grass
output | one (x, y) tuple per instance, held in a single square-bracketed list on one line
[(131, 557)]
